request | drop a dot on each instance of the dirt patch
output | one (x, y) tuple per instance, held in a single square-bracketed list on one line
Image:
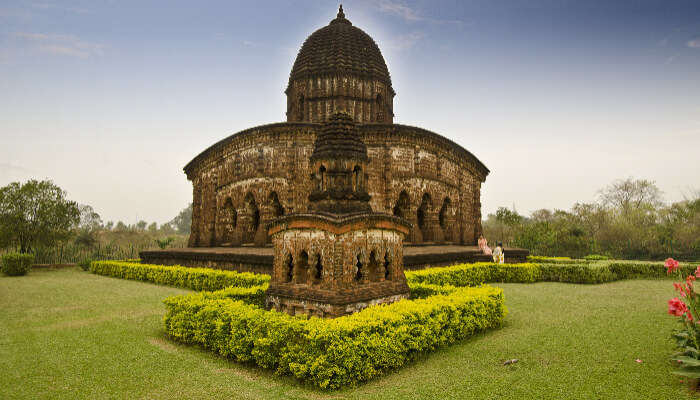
[(40, 266), (163, 345), (80, 323), (240, 372)]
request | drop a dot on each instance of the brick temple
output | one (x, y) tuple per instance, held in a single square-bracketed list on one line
[(245, 182), (338, 257)]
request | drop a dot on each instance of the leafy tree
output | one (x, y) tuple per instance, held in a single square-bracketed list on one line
[(628, 194), (166, 229), (109, 225), (183, 222), (89, 219), (121, 227), (35, 213), (141, 225), (90, 223), (508, 217), (153, 227)]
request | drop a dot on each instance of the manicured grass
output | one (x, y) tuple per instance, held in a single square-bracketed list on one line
[(70, 334)]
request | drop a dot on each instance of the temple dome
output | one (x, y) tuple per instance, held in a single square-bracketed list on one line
[(340, 49), (339, 139)]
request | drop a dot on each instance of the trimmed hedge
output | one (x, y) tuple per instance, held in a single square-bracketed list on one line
[(608, 271), (337, 352), (190, 278), (475, 274), (16, 264), (547, 259), (575, 273)]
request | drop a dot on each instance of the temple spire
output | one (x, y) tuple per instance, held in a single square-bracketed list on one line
[(340, 18)]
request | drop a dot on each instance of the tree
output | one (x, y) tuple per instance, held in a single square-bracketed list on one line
[(89, 219), (628, 194), (109, 225), (153, 227), (121, 227), (183, 222), (35, 213), (141, 225), (508, 217)]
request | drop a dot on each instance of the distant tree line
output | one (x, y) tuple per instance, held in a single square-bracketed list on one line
[(629, 220), (37, 215)]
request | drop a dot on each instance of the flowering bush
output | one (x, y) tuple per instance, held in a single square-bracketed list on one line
[(686, 308)]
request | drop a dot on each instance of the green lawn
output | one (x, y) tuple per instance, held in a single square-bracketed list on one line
[(70, 334)]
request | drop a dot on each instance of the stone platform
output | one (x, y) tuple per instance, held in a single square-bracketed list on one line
[(259, 259)]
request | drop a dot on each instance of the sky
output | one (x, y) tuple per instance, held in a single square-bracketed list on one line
[(558, 98)]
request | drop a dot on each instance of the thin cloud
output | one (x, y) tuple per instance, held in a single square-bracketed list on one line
[(51, 6), (64, 51), (404, 42), (409, 14), (398, 9), (694, 44), (63, 45), (12, 167)]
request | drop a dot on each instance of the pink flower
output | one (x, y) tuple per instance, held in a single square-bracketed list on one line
[(677, 307), (671, 265), (697, 272), (638, 360), (689, 316)]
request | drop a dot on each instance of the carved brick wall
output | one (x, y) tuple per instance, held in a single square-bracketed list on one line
[(243, 182)]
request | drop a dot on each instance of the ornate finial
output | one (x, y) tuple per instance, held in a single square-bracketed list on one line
[(340, 18)]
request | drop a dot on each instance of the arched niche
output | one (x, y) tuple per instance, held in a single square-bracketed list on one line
[(445, 219), (422, 215), (357, 178), (277, 209), (301, 269), (251, 218), (402, 205)]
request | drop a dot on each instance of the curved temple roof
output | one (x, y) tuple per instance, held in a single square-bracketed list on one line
[(340, 48)]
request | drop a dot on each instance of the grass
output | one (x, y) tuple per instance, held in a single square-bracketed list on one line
[(69, 334)]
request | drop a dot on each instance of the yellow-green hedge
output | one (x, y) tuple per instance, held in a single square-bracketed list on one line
[(190, 278), (337, 352), (475, 274)]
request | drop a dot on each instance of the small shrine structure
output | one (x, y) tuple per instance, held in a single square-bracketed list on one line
[(339, 257)]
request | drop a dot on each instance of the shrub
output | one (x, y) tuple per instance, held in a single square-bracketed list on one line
[(85, 264), (595, 257), (337, 352), (545, 259), (16, 264), (190, 278), (576, 273), (606, 271), (475, 274)]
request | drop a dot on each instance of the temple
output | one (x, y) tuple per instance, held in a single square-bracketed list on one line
[(246, 182)]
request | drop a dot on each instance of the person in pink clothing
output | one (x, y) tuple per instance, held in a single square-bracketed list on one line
[(483, 246)]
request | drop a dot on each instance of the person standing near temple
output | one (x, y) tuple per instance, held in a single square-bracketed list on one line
[(499, 254)]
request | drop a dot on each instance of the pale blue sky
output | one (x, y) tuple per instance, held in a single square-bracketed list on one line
[(110, 99)]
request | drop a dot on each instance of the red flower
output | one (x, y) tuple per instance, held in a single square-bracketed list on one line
[(677, 307), (689, 316), (671, 265), (697, 272)]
